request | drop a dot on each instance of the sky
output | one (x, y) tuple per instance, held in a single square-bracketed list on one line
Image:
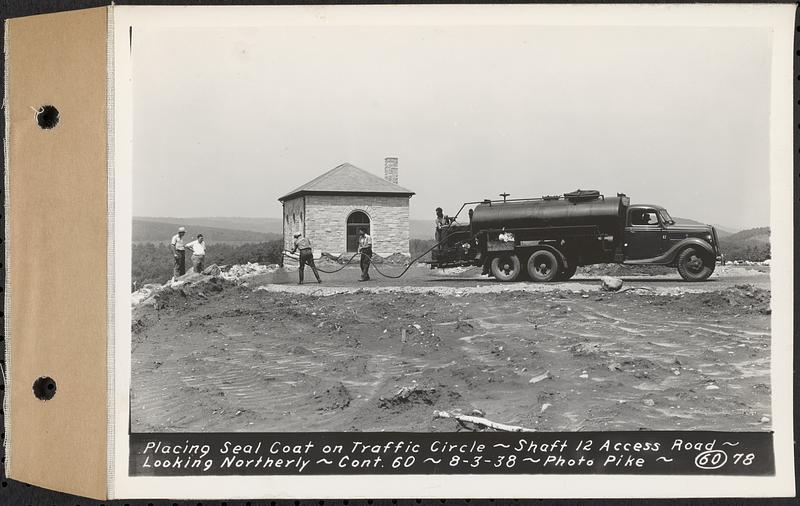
[(228, 120)]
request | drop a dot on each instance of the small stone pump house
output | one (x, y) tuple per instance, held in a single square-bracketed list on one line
[(330, 209)]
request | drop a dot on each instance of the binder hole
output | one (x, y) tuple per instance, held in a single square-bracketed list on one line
[(47, 117), (44, 388)]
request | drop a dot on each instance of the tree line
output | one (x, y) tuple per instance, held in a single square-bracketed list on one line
[(152, 262)]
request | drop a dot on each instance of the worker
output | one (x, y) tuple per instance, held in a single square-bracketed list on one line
[(306, 256), (198, 249), (471, 212), (441, 224), (179, 254), (365, 248)]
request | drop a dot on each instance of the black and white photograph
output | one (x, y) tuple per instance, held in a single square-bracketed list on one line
[(432, 227)]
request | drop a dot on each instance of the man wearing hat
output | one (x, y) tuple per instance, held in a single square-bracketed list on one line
[(179, 253), (306, 256)]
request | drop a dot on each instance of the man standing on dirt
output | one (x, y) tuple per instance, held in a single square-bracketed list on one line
[(179, 254), (306, 256), (198, 249), (365, 248)]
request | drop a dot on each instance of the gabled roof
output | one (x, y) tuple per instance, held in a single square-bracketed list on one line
[(348, 179)]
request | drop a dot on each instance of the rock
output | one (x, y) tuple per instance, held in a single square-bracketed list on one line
[(712, 387), (237, 272), (610, 284), (764, 419), (300, 350), (212, 270), (544, 407), (410, 395), (334, 398), (649, 402), (540, 377)]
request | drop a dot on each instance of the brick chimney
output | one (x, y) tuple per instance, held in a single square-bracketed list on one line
[(390, 170)]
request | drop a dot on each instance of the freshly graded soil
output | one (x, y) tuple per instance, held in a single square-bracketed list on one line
[(214, 356)]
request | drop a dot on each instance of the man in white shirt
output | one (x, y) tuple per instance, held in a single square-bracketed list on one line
[(179, 254), (365, 248), (198, 249)]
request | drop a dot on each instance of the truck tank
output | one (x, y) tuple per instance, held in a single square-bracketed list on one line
[(607, 213)]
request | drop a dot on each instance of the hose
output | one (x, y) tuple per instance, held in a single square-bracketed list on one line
[(409, 263), (376, 267), (340, 268)]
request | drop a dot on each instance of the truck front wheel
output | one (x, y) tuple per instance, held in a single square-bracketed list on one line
[(543, 266), (695, 264), (506, 267)]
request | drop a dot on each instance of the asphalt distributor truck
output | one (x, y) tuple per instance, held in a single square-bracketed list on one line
[(546, 239)]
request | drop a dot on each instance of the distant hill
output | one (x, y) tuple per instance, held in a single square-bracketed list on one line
[(152, 230), (758, 235), (723, 231), (261, 225), (751, 244)]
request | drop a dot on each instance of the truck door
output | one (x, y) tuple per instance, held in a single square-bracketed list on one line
[(645, 236)]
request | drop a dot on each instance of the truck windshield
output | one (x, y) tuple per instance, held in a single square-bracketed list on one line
[(666, 217)]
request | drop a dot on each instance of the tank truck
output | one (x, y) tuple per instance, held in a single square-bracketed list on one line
[(548, 238)]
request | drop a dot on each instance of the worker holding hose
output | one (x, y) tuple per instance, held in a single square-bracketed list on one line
[(365, 248), (306, 256)]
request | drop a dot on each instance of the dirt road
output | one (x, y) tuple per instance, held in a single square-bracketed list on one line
[(665, 279), (220, 357)]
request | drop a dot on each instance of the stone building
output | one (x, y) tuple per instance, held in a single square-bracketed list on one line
[(331, 208)]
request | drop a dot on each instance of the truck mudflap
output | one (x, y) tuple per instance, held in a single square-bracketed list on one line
[(671, 255)]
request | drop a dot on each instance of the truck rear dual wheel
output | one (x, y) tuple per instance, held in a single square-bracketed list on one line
[(695, 264), (506, 267), (543, 266)]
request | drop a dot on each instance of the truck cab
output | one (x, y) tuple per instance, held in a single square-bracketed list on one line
[(653, 237)]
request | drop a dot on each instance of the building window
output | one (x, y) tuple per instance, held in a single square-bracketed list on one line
[(356, 220)]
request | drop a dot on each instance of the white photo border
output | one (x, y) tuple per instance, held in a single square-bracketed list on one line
[(780, 19)]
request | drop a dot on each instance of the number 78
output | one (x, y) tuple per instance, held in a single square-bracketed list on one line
[(745, 458)]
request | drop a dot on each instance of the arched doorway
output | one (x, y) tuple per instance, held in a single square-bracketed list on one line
[(356, 220)]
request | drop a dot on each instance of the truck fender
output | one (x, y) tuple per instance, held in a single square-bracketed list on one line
[(673, 252)]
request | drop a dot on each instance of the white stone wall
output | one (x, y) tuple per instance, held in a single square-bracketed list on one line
[(326, 222)]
